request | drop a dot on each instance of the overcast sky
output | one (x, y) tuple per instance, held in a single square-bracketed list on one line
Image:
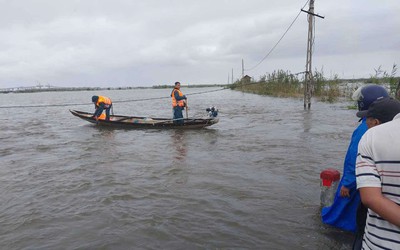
[(156, 42)]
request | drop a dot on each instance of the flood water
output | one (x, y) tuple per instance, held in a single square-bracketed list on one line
[(249, 182)]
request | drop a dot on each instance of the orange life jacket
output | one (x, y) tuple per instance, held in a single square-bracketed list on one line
[(102, 99), (175, 103), (102, 116)]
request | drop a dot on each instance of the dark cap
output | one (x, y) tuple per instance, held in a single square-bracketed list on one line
[(383, 109), (95, 98)]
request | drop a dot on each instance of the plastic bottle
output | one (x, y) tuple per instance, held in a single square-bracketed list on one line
[(329, 183)]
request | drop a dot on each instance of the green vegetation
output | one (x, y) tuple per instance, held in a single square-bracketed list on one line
[(281, 83), (383, 77)]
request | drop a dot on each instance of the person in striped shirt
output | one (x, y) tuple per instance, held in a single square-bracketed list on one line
[(343, 211), (378, 174)]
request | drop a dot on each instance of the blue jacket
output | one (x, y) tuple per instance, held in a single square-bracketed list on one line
[(342, 213)]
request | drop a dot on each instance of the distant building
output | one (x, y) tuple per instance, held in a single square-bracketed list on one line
[(246, 79)]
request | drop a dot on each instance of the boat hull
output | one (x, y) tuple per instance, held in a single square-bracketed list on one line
[(135, 122)]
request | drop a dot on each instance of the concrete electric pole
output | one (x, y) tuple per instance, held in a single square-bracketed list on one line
[(308, 81), (242, 68)]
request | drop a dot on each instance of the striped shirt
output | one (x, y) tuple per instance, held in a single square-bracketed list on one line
[(378, 165)]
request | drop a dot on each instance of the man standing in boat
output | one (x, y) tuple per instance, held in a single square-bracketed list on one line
[(178, 103), (101, 103)]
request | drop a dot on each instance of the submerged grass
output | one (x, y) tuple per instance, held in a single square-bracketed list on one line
[(281, 83)]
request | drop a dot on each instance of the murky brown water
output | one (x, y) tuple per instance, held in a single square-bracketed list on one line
[(248, 182)]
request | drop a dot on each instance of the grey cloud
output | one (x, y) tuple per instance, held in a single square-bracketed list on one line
[(149, 42)]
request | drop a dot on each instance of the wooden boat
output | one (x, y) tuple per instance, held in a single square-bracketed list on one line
[(134, 122)]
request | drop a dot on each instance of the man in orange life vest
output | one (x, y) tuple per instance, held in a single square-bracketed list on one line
[(101, 103), (178, 103)]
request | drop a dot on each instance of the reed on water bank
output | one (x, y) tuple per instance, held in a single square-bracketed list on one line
[(281, 83)]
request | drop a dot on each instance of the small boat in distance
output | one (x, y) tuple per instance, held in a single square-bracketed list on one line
[(134, 122)]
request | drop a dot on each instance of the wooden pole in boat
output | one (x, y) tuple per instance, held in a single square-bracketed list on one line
[(187, 109)]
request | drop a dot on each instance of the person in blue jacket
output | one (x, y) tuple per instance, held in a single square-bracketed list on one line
[(342, 213)]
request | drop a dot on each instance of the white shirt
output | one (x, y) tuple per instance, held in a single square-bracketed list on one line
[(378, 165)]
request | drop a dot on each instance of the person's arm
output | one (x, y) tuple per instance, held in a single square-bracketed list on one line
[(98, 110), (369, 182), (372, 198), (178, 98)]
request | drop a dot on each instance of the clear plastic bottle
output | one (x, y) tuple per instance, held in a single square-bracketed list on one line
[(329, 184)]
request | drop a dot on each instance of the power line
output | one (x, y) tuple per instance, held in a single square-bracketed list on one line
[(265, 57), (45, 105), (124, 101)]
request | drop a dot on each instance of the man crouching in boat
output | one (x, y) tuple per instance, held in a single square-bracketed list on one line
[(101, 103), (178, 103)]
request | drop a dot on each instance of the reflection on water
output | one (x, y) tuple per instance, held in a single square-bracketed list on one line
[(180, 145), (307, 120), (249, 182)]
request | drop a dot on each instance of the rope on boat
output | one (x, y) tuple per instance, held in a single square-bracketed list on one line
[(80, 104)]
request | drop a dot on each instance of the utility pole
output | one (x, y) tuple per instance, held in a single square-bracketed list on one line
[(242, 68), (309, 81), (232, 75)]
